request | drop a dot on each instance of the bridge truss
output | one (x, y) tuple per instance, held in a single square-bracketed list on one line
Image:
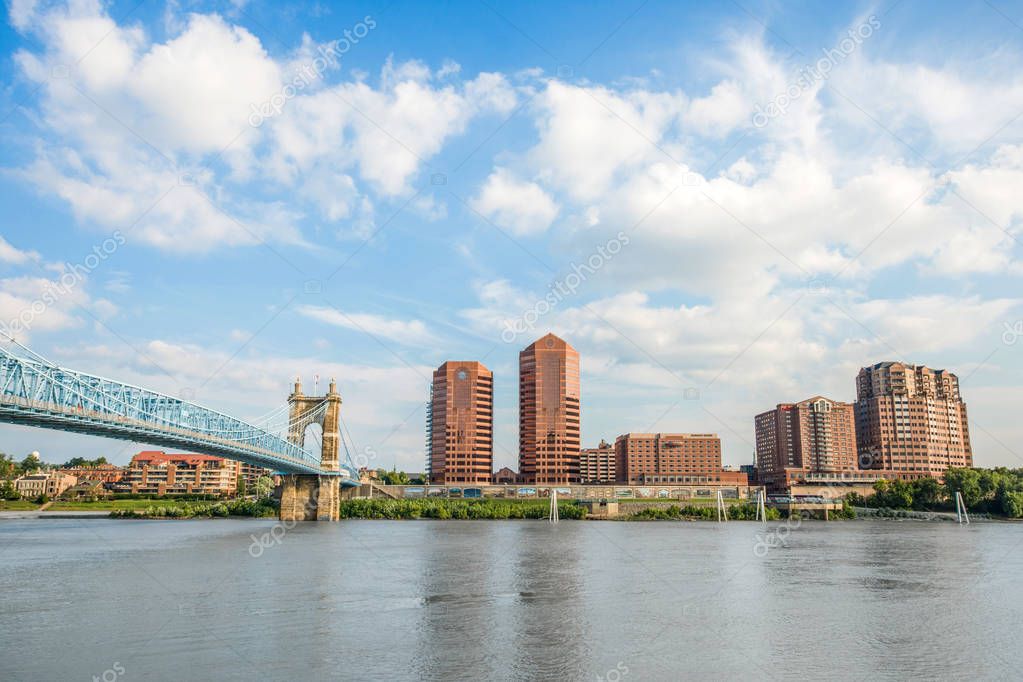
[(36, 392)]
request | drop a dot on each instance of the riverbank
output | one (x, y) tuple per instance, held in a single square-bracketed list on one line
[(442, 508), (456, 509), (190, 510), (36, 514)]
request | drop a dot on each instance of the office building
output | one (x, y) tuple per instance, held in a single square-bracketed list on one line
[(460, 424), (549, 427)]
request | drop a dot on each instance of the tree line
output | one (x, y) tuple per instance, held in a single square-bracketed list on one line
[(996, 491)]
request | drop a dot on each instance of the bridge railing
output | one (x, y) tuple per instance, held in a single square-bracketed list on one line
[(53, 394), (100, 417)]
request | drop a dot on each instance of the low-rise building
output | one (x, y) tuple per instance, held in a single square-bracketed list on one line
[(505, 476), (106, 473), (597, 465), (49, 483), (160, 473), (669, 458), (86, 489), (249, 474)]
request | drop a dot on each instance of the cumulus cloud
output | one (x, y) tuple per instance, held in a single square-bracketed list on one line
[(383, 133), (162, 133), (380, 401), (520, 206)]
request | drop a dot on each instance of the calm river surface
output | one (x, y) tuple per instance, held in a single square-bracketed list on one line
[(391, 600)]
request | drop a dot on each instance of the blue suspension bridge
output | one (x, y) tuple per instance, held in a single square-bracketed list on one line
[(36, 392)]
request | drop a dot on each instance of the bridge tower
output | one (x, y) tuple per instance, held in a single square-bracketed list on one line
[(307, 497)]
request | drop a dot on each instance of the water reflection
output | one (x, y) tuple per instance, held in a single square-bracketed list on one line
[(442, 600), (551, 637)]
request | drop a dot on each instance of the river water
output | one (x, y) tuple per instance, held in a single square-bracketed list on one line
[(391, 600)]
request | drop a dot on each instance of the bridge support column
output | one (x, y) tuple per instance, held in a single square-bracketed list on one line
[(310, 498)]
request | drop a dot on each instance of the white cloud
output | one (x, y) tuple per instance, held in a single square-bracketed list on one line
[(411, 332), (588, 135), (380, 401), (10, 254), (521, 207), (384, 133), (939, 111), (125, 118), (198, 88), (30, 304)]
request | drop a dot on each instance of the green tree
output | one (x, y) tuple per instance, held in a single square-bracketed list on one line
[(241, 486), (8, 492), (1011, 503), (394, 477), (8, 467), (901, 495), (264, 486), (75, 462), (895, 494), (31, 463), (927, 493), (965, 481)]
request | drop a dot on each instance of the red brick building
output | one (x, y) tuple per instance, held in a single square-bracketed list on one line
[(505, 476), (460, 424), (817, 435), (105, 473), (679, 458), (597, 465), (159, 473), (549, 412), (911, 418)]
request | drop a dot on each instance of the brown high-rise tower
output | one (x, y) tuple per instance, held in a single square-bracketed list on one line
[(816, 436), (461, 424), (911, 418), (549, 412)]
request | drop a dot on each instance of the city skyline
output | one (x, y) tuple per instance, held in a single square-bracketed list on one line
[(461, 399), (719, 251), (390, 339)]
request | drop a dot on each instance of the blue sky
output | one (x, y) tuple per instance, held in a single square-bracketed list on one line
[(420, 200)]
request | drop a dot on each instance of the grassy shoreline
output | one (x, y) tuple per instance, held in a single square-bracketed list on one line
[(407, 509), (18, 505), (194, 509), (434, 508)]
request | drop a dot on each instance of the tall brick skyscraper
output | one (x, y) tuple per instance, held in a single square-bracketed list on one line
[(461, 424), (816, 435), (549, 412), (911, 418)]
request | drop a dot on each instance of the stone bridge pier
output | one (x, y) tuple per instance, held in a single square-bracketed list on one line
[(311, 497)]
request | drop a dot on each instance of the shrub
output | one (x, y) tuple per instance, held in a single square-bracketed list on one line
[(456, 509)]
